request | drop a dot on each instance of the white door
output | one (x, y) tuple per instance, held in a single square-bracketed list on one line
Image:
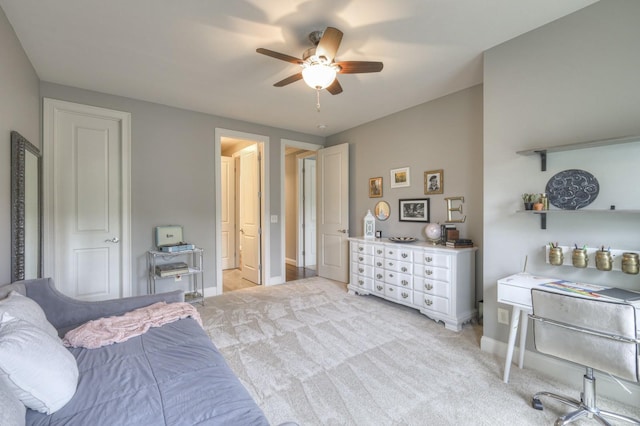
[(333, 212), (250, 213), (310, 212), (87, 200), (228, 213)]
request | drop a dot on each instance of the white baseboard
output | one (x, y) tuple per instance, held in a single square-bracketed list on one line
[(275, 280), (565, 372)]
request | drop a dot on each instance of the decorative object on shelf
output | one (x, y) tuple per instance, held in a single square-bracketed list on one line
[(604, 261), (378, 234), (579, 257), (556, 256), (402, 239), (451, 209), (538, 206), (375, 187), (459, 243), (414, 210), (382, 210), (433, 182), (369, 226), (400, 177), (572, 189), (630, 263), (544, 199), (528, 200), (433, 231)]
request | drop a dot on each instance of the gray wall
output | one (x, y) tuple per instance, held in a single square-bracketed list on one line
[(575, 79), (172, 173), (19, 111), (442, 134)]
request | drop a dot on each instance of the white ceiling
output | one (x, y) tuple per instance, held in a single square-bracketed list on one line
[(200, 54)]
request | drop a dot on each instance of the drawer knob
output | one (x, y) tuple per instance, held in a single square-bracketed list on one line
[(428, 286), (361, 270), (379, 287), (379, 251), (405, 295), (405, 282), (428, 302), (403, 269), (361, 282), (378, 263), (428, 272), (390, 263), (360, 248), (379, 276), (391, 253), (404, 255), (429, 259), (390, 275), (360, 258), (390, 288)]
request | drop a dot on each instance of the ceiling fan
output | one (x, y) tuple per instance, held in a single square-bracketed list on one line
[(319, 68)]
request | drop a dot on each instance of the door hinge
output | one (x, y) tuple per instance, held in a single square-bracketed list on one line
[(259, 231)]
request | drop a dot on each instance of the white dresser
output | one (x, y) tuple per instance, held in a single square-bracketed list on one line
[(438, 281)]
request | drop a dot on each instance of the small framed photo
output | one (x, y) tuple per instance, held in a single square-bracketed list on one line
[(375, 187), (414, 210), (433, 182), (400, 177)]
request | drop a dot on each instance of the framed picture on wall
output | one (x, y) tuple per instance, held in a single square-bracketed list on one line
[(375, 187), (414, 210), (400, 177), (433, 182)]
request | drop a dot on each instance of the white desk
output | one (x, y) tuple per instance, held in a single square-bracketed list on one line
[(515, 290)]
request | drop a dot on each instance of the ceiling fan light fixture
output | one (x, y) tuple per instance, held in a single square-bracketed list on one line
[(319, 76)]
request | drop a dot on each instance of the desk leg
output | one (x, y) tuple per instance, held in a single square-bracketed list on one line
[(515, 319), (523, 336)]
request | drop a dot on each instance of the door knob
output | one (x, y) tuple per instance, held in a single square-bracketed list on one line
[(343, 231), (114, 240), (241, 231)]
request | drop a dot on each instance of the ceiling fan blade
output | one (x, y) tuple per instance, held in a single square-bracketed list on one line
[(329, 43), (289, 80), (356, 67), (335, 88), (280, 56)]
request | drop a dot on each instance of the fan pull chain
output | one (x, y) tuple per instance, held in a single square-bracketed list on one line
[(317, 100)]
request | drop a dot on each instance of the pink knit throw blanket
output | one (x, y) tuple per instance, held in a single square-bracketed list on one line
[(106, 331)]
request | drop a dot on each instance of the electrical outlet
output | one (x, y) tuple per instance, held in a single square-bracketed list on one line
[(503, 316)]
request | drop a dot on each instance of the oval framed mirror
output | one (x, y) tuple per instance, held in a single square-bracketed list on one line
[(382, 210), (26, 209)]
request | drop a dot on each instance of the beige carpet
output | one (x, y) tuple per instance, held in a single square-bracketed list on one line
[(309, 352)]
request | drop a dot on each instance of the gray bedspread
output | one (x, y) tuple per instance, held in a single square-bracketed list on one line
[(172, 375)]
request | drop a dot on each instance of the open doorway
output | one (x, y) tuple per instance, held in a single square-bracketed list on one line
[(300, 210), (240, 253)]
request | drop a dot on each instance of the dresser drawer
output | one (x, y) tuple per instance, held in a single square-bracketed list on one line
[(363, 259), (432, 303), (365, 270), (378, 251), (378, 287), (397, 265), (405, 296), (378, 262), (433, 287), (363, 282), (364, 248), (396, 278), (426, 271), (379, 274), (436, 259), (391, 291)]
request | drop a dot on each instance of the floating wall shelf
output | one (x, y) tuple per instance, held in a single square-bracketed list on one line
[(543, 213), (542, 152)]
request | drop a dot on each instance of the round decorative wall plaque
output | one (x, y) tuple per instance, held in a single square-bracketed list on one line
[(572, 189)]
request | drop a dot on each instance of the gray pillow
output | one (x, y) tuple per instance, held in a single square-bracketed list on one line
[(21, 307), (12, 410), (37, 369)]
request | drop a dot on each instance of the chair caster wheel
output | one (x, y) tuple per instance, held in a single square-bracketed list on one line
[(535, 403)]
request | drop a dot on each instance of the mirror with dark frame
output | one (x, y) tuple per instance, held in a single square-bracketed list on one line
[(26, 209)]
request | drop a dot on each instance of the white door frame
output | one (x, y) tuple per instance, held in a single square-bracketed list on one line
[(283, 144), (265, 257), (302, 175), (52, 107)]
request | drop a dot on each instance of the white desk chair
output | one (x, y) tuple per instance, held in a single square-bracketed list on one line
[(597, 334)]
